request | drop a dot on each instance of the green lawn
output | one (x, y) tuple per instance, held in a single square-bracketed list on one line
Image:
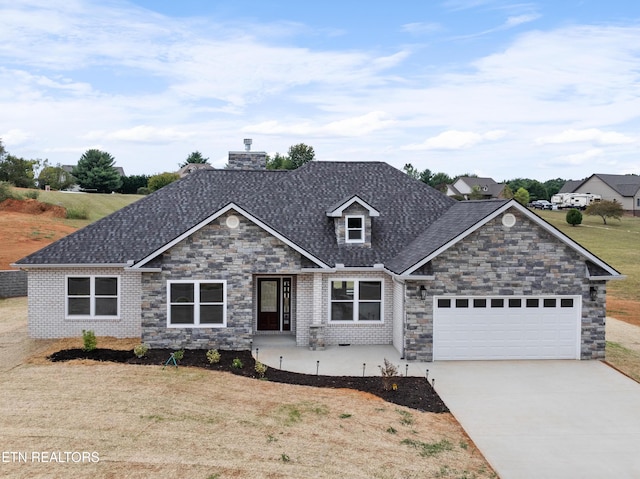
[(616, 243)]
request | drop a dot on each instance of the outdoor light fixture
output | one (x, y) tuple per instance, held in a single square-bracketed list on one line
[(423, 292), (593, 293)]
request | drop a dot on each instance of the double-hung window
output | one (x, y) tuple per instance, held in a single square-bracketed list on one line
[(356, 300), (354, 229), (197, 304), (92, 297)]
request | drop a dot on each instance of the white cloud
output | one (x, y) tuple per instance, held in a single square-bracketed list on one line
[(580, 158), (141, 134), (520, 19), (14, 137), (456, 140), (347, 127), (422, 28), (592, 135)]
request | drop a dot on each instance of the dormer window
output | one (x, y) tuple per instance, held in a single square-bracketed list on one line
[(354, 229)]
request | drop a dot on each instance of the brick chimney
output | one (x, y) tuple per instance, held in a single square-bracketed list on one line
[(247, 159)]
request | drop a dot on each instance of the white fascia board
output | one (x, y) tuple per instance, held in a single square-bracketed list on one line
[(337, 213), (250, 217), (533, 217), (607, 278), (352, 269), (416, 277), (69, 265)]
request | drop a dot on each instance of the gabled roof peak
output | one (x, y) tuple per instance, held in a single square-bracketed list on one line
[(337, 210)]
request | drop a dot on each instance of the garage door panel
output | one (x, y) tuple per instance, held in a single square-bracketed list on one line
[(524, 328)]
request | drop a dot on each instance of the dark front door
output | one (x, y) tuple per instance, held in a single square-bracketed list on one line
[(269, 304)]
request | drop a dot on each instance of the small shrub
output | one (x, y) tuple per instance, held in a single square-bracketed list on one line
[(77, 213), (143, 190), (236, 363), (6, 191), (140, 350), (574, 217), (392, 430), (345, 415), (89, 341), (285, 458), (213, 355), (178, 355), (261, 369), (32, 194), (389, 372)]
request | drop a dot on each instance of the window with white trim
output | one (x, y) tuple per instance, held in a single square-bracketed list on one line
[(197, 304), (356, 300), (354, 229), (92, 297)]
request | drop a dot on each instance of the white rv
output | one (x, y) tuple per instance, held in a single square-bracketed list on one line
[(573, 200)]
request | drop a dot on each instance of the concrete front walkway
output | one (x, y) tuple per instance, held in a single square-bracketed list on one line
[(530, 419)]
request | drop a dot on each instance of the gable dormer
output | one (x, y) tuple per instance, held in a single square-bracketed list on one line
[(352, 221)]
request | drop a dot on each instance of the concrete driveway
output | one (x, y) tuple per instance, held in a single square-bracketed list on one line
[(546, 419)]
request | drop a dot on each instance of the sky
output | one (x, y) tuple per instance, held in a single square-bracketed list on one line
[(497, 88)]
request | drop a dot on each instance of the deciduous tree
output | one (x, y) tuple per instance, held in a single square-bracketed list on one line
[(55, 177), (300, 154), (522, 196), (297, 156), (163, 179), (605, 209)]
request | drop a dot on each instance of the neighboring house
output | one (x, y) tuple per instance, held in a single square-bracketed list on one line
[(330, 253), (464, 186), (193, 167), (625, 189)]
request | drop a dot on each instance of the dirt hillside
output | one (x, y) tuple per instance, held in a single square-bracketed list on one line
[(27, 226)]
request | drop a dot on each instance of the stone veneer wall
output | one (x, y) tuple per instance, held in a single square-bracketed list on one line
[(496, 260), (47, 290), (355, 333), (339, 224), (215, 252), (247, 160)]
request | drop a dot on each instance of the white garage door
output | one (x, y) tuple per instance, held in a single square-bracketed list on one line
[(510, 327)]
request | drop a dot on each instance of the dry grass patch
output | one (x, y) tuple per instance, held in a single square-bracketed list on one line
[(624, 359), (143, 420)]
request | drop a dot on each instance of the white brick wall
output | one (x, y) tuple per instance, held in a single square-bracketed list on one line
[(313, 306), (47, 305)]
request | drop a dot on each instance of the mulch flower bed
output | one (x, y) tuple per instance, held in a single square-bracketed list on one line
[(412, 392)]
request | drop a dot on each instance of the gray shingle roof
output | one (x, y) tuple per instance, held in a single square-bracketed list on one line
[(570, 186), (626, 185), (414, 218)]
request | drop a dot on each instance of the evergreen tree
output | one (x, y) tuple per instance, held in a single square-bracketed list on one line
[(574, 217), (195, 157), (95, 171)]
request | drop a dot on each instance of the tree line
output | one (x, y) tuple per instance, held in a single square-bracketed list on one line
[(95, 172), (537, 190)]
